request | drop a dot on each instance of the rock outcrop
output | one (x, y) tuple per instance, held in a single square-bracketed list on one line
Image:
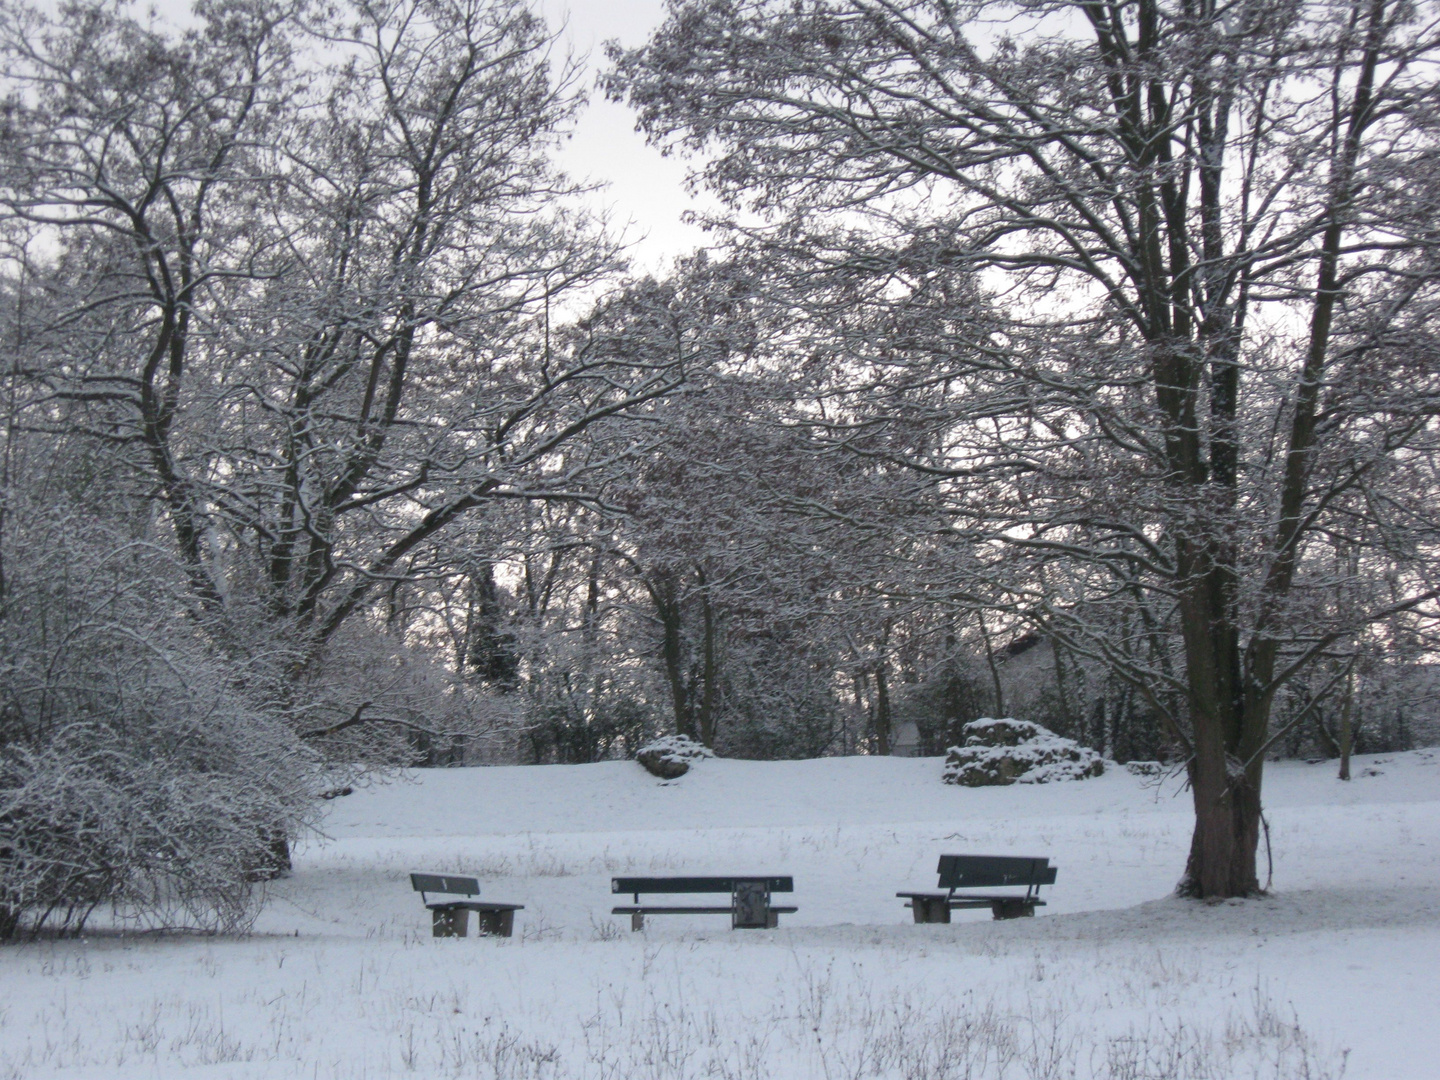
[(1017, 752)]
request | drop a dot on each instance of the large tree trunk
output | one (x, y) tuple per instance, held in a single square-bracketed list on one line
[(1227, 831), (1227, 731)]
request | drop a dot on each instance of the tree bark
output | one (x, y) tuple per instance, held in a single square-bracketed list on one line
[(882, 710), (672, 654), (709, 670), (1347, 729), (1228, 728), (994, 668), (1227, 834)]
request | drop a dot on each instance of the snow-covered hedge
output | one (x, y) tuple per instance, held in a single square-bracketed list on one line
[(1009, 751), (672, 755)]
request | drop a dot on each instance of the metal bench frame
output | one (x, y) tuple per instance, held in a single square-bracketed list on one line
[(749, 908), (983, 871), (451, 918)]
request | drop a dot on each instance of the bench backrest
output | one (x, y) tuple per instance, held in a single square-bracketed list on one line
[(987, 871), (694, 884), (445, 883)]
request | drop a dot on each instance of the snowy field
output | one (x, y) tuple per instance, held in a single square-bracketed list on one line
[(1336, 973)]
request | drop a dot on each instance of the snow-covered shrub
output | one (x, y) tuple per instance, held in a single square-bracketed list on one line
[(1009, 751), (672, 755), (138, 774)]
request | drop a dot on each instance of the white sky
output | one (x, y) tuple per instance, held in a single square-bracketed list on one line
[(645, 191)]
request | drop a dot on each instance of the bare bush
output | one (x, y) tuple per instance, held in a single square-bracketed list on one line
[(136, 775)]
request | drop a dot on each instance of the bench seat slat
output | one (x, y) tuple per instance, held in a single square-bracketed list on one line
[(652, 909), (990, 901), (696, 884), (984, 899), (472, 905)]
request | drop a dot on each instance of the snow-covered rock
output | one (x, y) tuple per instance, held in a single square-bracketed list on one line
[(1009, 751), (672, 755), (1144, 768)]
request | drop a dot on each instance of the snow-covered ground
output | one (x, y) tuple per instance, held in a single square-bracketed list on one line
[(1337, 971)]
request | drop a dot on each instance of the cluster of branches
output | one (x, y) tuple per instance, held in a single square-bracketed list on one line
[(703, 589)]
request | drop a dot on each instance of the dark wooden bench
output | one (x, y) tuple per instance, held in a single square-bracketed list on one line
[(749, 907), (983, 872), (451, 918)]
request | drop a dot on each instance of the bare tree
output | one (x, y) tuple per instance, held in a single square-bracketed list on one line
[(1152, 291), (299, 269)]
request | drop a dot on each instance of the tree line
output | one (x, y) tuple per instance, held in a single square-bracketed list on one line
[(339, 436)]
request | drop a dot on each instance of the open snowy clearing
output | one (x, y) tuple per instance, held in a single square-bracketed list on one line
[(1334, 973)]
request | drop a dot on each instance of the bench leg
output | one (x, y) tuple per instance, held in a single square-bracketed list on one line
[(750, 906), (932, 909), (495, 923), (772, 919), (1012, 909), (452, 923), (637, 920)]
